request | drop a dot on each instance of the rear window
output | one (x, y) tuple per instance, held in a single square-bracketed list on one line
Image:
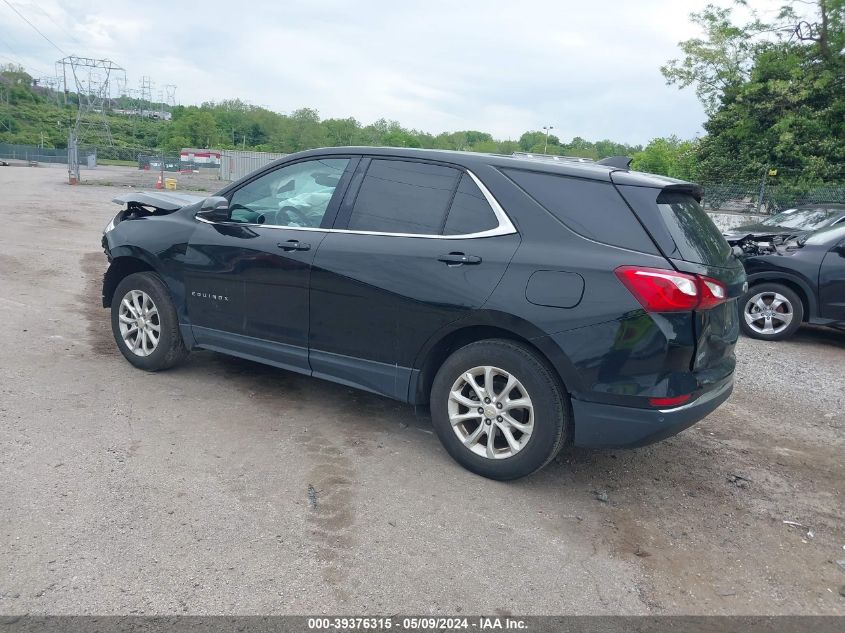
[(470, 212), (591, 208), (697, 239)]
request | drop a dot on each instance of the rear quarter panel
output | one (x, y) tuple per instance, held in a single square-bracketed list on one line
[(606, 345)]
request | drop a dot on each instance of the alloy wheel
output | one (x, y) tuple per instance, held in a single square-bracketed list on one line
[(491, 412), (140, 326), (768, 313)]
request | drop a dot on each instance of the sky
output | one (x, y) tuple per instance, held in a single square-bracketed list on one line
[(590, 69)]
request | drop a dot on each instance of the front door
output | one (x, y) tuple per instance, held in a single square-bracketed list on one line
[(832, 284), (248, 277)]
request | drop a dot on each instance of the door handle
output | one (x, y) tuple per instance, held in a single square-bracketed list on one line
[(294, 245), (456, 259)]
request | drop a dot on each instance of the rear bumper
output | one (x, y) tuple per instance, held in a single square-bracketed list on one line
[(613, 426)]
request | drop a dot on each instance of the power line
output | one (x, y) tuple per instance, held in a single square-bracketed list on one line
[(17, 61), (59, 26), (9, 46), (22, 17)]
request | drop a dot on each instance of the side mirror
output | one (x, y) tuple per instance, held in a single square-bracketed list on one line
[(214, 209)]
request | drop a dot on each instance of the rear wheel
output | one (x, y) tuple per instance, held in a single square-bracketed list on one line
[(771, 312), (498, 409), (144, 323)]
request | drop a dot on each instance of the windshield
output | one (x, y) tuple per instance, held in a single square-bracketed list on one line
[(804, 219), (825, 236)]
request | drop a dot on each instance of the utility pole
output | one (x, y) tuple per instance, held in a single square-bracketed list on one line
[(548, 129), (762, 189)]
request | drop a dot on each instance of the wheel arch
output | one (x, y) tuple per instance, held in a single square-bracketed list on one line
[(797, 285), (441, 345), (122, 265)]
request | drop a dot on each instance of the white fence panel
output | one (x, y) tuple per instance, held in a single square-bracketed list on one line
[(234, 165)]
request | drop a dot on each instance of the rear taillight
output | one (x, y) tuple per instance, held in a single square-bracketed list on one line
[(712, 292), (669, 402), (660, 290)]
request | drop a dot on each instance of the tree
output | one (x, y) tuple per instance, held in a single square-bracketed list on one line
[(198, 126), (234, 123), (715, 63), (531, 139), (668, 156), (723, 59), (774, 91)]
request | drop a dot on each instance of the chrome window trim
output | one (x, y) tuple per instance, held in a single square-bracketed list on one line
[(505, 226)]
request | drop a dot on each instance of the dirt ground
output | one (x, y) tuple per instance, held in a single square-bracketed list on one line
[(224, 486)]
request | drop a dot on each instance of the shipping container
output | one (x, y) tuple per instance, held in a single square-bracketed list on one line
[(235, 165)]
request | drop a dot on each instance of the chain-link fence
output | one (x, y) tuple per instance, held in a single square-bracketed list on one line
[(89, 157), (738, 198), (34, 155), (776, 190)]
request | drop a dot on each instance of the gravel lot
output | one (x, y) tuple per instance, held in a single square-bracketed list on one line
[(225, 486)]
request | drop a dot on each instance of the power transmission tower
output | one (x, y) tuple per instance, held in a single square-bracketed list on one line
[(171, 94), (145, 97), (91, 79), (51, 85), (121, 87)]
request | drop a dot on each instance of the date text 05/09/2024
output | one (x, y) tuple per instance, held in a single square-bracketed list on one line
[(416, 623)]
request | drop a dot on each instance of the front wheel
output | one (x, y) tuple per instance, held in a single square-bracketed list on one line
[(499, 410), (771, 312), (145, 324)]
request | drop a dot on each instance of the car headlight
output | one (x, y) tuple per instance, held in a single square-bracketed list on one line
[(111, 224)]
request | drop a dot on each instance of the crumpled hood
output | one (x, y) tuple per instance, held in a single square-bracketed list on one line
[(158, 199), (758, 232)]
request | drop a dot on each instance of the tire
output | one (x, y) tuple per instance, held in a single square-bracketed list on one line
[(546, 422), (756, 306), (169, 349)]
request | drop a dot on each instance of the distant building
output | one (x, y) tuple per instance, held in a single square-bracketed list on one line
[(147, 114)]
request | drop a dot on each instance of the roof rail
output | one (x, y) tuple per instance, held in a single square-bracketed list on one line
[(552, 158), (620, 162)]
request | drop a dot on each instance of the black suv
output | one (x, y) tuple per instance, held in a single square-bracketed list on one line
[(529, 303), (801, 280)]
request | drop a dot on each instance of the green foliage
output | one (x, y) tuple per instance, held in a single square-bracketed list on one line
[(715, 63), (669, 156), (234, 124), (775, 92)]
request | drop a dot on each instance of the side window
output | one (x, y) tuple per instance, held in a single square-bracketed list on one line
[(399, 196), (470, 212), (295, 195), (591, 208)]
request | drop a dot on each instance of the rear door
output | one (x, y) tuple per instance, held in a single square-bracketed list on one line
[(690, 240), (417, 246)]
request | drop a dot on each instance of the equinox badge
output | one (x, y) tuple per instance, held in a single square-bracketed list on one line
[(209, 295)]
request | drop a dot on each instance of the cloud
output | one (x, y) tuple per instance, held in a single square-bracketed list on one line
[(589, 69)]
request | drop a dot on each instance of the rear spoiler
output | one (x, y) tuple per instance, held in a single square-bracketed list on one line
[(664, 183), (620, 162), (689, 188)]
